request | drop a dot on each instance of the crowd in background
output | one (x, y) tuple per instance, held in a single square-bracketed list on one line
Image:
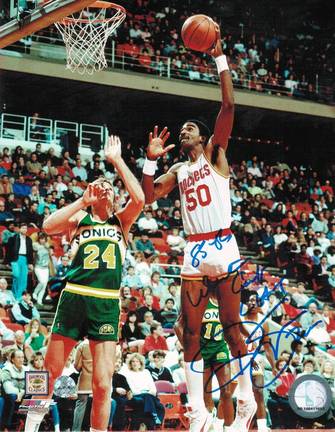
[(261, 60), (266, 53), (282, 214)]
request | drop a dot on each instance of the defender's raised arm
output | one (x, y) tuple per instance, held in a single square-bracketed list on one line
[(165, 183), (131, 211)]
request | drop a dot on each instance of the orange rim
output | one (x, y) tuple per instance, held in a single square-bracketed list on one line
[(96, 5)]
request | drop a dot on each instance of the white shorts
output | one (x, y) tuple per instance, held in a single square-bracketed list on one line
[(211, 258)]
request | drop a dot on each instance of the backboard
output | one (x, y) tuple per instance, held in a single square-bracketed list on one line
[(41, 17)]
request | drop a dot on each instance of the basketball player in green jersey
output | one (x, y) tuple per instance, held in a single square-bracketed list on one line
[(89, 303), (215, 353)]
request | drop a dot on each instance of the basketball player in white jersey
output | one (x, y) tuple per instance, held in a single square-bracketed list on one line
[(206, 209), (258, 334)]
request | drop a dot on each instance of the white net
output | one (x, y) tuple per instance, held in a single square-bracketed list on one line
[(85, 36)]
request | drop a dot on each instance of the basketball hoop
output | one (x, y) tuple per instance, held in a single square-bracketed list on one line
[(85, 35)]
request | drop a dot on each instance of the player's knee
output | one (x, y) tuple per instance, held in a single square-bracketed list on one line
[(54, 368), (101, 386), (225, 393)]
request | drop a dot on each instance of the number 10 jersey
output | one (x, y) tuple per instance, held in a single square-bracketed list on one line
[(98, 250), (205, 197)]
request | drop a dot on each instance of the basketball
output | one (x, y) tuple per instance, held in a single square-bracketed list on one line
[(198, 33)]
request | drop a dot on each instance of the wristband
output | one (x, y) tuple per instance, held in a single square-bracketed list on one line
[(149, 167), (221, 63)]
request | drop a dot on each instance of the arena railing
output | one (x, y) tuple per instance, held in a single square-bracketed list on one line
[(52, 48), (49, 131)]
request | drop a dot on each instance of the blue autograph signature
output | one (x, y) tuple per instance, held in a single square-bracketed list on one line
[(285, 332), (197, 252)]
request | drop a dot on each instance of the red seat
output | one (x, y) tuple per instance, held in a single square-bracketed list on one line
[(182, 388), (7, 343), (14, 326), (267, 202), (163, 386), (174, 411), (32, 230), (160, 244), (331, 352)]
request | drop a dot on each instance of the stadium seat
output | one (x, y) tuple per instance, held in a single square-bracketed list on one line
[(7, 343), (160, 244), (174, 411), (182, 388), (32, 230), (14, 326), (331, 352), (163, 386)]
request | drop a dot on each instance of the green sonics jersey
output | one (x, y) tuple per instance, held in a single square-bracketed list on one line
[(98, 252), (211, 336)]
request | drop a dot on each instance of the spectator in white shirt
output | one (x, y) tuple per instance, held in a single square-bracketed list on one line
[(6, 333), (279, 236), (323, 241), (175, 241), (239, 46), (148, 223), (291, 84), (59, 185), (79, 171), (143, 388), (135, 33), (6, 295), (254, 170)]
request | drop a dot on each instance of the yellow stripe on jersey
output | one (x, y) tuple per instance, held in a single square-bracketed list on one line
[(81, 242), (92, 292)]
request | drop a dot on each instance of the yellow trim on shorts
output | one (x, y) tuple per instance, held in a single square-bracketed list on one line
[(92, 292), (191, 277)]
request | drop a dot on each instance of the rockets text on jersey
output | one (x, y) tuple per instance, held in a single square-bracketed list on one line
[(205, 197)]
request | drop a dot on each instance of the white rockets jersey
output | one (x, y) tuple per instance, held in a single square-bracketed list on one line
[(205, 197)]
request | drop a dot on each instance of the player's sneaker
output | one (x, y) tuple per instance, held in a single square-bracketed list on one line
[(200, 420), (218, 425), (245, 412)]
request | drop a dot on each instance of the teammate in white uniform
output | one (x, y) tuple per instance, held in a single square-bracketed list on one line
[(258, 331), (212, 251)]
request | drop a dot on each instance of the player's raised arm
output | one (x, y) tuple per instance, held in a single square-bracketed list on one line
[(131, 211), (225, 118), (65, 219), (165, 183)]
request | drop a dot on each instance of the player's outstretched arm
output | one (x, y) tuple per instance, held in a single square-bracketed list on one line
[(131, 211), (225, 118), (154, 189), (65, 220)]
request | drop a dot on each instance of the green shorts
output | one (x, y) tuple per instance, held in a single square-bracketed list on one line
[(214, 352), (78, 315)]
